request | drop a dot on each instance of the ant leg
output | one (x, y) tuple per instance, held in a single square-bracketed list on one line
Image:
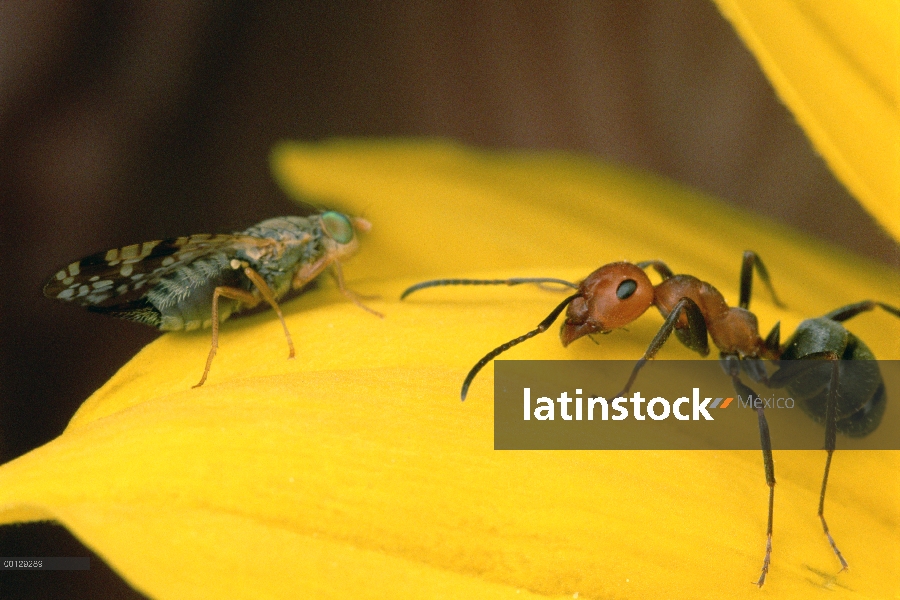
[(765, 441), (514, 281), (694, 337), (851, 310), (242, 296), (795, 368), (541, 328), (750, 260), (830, 440), (659, 266)]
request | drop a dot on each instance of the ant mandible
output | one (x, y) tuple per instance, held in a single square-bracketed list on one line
[(618, 293)]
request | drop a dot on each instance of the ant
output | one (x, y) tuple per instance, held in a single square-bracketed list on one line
[(619, 293)]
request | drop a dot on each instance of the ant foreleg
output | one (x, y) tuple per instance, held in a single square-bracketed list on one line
[(694, 337), (750, 260)]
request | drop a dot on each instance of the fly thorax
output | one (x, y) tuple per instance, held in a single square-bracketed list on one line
[(338, 251), (275, 264)]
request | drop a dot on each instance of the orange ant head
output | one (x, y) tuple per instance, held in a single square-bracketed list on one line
[(611, 297)]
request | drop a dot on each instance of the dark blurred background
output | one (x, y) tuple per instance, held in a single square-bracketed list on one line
[(126, 121)]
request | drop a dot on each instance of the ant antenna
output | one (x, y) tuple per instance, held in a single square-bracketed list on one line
[(544, 325), (514, 281)]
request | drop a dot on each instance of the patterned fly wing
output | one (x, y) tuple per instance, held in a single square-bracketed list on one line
[(122, 276)]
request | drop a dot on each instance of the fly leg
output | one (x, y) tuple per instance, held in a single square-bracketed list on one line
[(351, 295), (313, 270), (249, 301)]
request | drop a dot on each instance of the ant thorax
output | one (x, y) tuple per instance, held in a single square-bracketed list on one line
[(733, 330)]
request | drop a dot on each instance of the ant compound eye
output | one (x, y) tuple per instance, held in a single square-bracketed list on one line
[(626, 289), (337, 227)]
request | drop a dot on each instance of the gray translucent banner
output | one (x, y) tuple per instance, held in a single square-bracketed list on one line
[(691, 405)]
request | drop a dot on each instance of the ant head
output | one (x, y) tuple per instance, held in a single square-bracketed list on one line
[(611, 297)]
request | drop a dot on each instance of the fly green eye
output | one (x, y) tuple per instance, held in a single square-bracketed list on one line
[(337, 227)]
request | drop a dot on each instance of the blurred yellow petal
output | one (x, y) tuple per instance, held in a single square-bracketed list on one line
[(354, 471), (835, 64)]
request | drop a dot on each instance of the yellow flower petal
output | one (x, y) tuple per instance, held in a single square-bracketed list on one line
[(354, 470), (835, 64)]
